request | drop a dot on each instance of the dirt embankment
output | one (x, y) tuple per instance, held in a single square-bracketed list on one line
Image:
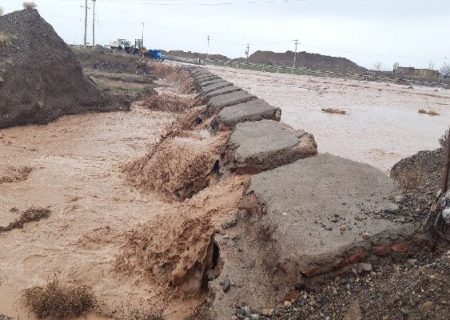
[(110, 61), (420, 178), (41, 78), (307, 60), (195, 55)]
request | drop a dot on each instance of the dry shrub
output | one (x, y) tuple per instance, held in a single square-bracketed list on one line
[(29, 5), (334, 110), (428, 112), (168, 103), (30, 215), (13, 174), (57, 301)]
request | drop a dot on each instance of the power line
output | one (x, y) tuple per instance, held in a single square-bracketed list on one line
[(184, 3)]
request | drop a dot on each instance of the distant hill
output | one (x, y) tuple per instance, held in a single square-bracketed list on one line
[(195, 55), (307, 60)]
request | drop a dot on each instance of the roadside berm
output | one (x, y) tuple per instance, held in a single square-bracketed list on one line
[(40, 77)]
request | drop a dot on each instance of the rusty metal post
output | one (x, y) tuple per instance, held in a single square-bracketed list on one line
[(447, 165)]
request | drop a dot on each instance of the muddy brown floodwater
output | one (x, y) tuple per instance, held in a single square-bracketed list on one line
[(381, 126), (75, 172)]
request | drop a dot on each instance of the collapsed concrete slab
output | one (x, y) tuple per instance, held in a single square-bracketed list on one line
[(310, 217), (198, 71), (267, 144), (216, 86), (253, 110), (207, 77), (225, 90), (205, 83), (217, 103)]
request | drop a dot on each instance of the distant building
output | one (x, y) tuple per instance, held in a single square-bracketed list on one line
[(411, 72)]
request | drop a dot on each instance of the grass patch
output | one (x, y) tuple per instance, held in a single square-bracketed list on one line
[(428, 112), (30, 215), (57, 301), (333, 110)]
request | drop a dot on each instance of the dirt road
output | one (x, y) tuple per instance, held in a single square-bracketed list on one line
[(381, 126), (75, 172)]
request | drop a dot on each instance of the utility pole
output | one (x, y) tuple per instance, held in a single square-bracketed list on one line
[(247, 50), (207, 51), (295, 54), (93, 23), (447, 166), (85, 21), (142, 36)]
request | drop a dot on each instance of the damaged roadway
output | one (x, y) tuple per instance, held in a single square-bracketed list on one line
[(307, 218), (267, 144)]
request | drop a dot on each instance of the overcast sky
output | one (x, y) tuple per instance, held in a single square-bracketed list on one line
[(411, 32)]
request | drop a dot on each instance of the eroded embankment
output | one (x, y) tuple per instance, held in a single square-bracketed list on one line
[(301, 216), (177, 250), (196, 161)]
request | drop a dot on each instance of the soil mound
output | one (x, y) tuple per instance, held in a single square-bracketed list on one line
[(196, 55), (41, 78), (420, 177), (307, 60), (107, 60), (423, 170)]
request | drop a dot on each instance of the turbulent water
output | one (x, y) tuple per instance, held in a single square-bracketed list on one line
[(75, 172)]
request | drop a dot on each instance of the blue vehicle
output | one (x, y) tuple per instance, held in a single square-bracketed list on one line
[(156, 54)]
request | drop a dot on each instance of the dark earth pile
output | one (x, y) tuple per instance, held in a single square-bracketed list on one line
[(40, 77), (420, 178), (312, 61), (195, 55), (110, 61)]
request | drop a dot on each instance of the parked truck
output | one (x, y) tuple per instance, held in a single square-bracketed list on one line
[(156, 54), (121, 44)]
